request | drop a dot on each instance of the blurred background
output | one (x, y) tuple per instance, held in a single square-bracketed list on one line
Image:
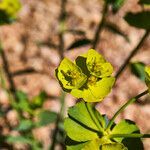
[(46, 31)]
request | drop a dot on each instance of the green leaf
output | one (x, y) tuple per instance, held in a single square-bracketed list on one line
[(115, 29), (97, 65), (93, 145), (23, 103), (25, 125), (70, 75), (78, 132), (46, 117), (95, 92), (21, 95), (124, 127), (80, 113), (18, 139), (139, 20), (38, 100), (137, 69), (74, 145), (113, 146), (116, 4), (79, 43), (147, 2)]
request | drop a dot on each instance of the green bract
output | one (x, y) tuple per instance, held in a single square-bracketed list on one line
[(8, 10), (88, 78), (147, 77)]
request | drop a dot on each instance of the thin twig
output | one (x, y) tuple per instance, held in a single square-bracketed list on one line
[(23, 72), (8, 73), (100, 27), (61, 53), (133, 135), (59, 118), (133, 52), (130, 101), (62, 18)]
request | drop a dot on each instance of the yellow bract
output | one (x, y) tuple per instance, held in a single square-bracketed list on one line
[(97, 65), (70, 75)]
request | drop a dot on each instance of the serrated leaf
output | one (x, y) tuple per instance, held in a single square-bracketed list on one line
[(97, 65), (147, 2), (79, 43), (70, 75), (46, 117), (77, 131), (80, 113), (137, 69), (139, 20), (113, 146), (25, 125), (115, 29), (124, 127)]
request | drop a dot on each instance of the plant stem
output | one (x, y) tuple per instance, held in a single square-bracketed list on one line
[(100, 27), (8, 73), (89, 108), (61, 54), (130, 101), (134, 135), (133, 52), (59, 117), (62, 18)]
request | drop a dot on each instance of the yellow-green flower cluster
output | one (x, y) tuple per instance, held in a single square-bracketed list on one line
[(88, 78)]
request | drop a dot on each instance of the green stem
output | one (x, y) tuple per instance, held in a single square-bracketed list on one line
[(8, 73), (133, 52), (59, 118), (134, 135), (62, 18), (100, 27), (89, 108), (130, 101)]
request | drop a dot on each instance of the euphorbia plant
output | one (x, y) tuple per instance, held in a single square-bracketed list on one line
[(90, 79)]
